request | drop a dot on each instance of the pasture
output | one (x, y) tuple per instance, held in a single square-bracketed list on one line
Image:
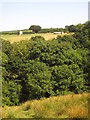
[(17, 38)]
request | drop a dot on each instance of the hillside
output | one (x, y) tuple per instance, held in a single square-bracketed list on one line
[(68, 106), (35, 69)]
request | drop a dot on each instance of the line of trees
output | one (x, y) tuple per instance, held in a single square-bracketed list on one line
[(37, 68), (38, 29), (70, 28)]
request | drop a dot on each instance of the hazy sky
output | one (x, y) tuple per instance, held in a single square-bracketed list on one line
[(56, 13)]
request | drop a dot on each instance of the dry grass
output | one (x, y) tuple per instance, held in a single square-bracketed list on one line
[(69, 106), (78, 111), (17, 38)]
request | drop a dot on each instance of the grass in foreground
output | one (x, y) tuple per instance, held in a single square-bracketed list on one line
[(68, 106)]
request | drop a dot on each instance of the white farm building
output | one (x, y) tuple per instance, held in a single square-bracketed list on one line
[(58, 32), (20, 32)]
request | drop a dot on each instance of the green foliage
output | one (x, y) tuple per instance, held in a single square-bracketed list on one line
[(4, 58), (68, 78), (71, 28), (6, 47), (10, 32), (75, 28), (11, 93), (37, 38), (35, 28), (36, 79), (35, 68), (51, 30)]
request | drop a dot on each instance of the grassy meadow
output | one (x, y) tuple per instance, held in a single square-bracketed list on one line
[(67, 106), (17, 38)]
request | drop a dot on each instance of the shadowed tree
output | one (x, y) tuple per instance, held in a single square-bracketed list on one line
[(35, 28)]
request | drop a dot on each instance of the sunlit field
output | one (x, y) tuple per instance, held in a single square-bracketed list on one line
[(16, 38)]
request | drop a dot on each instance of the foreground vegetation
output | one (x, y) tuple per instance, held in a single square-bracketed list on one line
[(68, 106)]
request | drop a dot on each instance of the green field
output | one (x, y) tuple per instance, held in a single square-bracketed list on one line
[(16, 38), (68, 106)]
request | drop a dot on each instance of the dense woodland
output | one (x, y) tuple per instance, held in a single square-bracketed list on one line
[(36, 68)]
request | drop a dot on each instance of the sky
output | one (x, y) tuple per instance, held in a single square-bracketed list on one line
[(18, 15)]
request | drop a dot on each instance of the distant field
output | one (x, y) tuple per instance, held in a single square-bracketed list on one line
[(16, 38), (67, 106)]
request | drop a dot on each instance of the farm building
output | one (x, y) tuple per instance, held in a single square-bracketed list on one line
[(58, 32), (20, 32)]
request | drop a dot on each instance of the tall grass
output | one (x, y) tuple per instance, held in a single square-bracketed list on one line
[(68, 106)]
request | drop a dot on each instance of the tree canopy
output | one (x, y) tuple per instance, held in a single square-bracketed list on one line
[(35, 28)]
